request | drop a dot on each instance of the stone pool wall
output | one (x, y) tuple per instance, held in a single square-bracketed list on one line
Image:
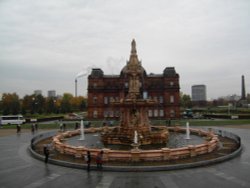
[(163, 154)]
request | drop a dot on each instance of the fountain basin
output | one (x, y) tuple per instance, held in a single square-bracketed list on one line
[(162, 154), (230, 147)]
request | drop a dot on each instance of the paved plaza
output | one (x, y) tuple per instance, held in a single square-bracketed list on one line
[(19, 169)]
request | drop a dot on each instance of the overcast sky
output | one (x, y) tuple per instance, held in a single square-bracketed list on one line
[(44, 44)]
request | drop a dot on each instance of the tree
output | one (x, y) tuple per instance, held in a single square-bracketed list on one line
[(65, 105), (248, 98), (33, 104), (78, 103), (185, 101), (10, 103), (26, 104), (52, 105), (83, 104), (39, 103)]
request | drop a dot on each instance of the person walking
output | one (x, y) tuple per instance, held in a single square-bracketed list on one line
[(88, 160), (36, 127), (18, 127), (76, 125), (61, 126), (46, 153), (99, 160), (33, 128), (64, 127)]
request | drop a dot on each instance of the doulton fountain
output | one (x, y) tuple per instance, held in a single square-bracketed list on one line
[(134, 112)]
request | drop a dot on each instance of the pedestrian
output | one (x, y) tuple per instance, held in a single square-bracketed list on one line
[(99, 160), (33, 128), (77, 125), (61, 126), (88, 160), (168, 122), (18, 127), (46, 153), (64, 127), (36, 127)]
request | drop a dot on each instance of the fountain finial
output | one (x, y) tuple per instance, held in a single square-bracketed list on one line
[(133, 47)]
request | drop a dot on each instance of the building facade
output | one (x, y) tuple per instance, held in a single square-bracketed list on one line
[(199, 93), (104, 89), (38, 92), (51, 93)]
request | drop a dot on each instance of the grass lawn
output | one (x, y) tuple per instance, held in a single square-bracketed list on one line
[(206, 122), (192, 122)]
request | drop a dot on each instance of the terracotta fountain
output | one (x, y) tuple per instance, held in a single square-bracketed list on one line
[(134, 112)]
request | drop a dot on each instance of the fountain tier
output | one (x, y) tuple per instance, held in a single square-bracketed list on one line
[(134, 117)]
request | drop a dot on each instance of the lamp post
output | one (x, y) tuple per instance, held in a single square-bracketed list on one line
[(229, 108)]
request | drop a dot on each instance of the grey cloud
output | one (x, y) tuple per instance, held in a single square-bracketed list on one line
[(205, 40)]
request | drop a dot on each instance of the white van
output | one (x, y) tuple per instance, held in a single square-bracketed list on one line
[(11, 120)]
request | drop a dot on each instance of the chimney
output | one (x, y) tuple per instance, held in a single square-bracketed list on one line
[(243, 91), (75, 87)]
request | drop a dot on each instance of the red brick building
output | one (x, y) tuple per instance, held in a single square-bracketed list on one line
[(164, 88)]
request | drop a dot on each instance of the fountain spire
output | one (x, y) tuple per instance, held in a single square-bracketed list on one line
[(133, 60), (134, 71), (133, 47)]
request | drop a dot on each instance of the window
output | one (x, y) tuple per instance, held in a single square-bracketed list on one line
[(95, 114), (145, 94), (105, 100), (105, 113), (150, 113), (171, 83), (155, 98), (171, 99), (111, 113), (156, 113), (172, 113), (161, 99), (111, 99), (161, 112), (117, 113), (95, 100)]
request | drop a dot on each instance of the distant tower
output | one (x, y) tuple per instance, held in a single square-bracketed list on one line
[(38, 92), (51, 93), (199, 95), (243, 91)]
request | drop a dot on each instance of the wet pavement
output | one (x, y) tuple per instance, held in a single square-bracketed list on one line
[(19, 169)]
